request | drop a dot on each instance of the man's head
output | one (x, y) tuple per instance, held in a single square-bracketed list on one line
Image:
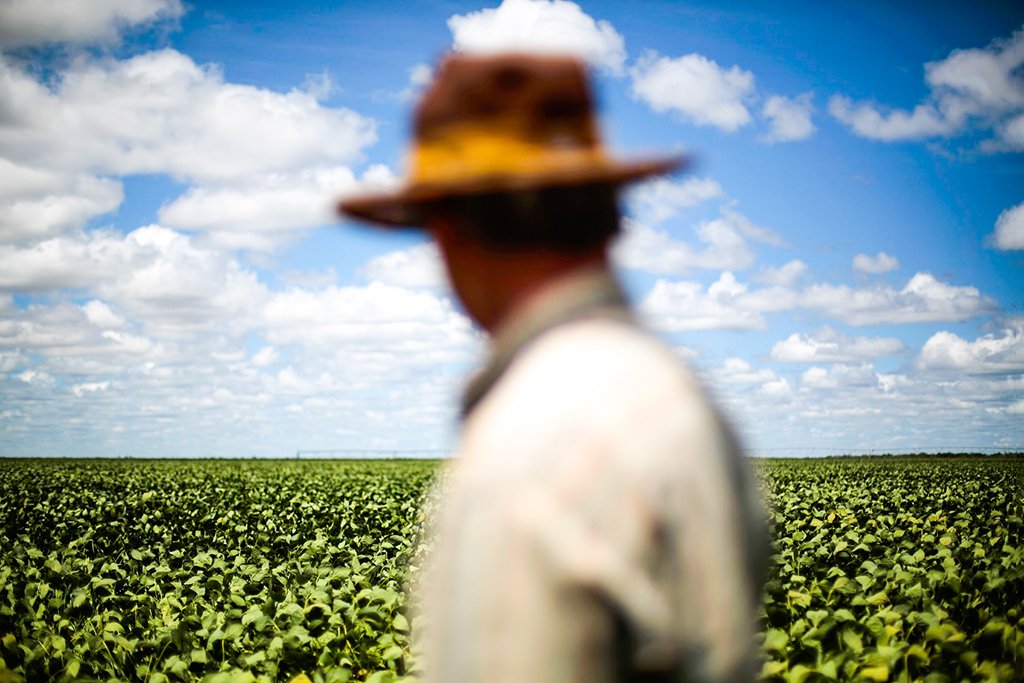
[(508, 174), (497, 247)]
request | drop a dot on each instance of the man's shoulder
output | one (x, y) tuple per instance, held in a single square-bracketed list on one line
[(593, 375), (598, 348)]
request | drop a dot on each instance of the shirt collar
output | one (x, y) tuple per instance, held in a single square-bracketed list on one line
[(586, 292)]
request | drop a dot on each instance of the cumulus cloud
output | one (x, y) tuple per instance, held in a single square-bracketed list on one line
[(732, 305), (695, 88), (662, 198), (875, 265), (170, 333), (179, 289), (160, 112), (991, 353), (922, 299), (266, 356), (89, 387), (869, 121), (790, 118), (263, 211), (740, 371), (1009, 233), (726, 304), (29, 22), (828, 345), (101, 315), (374, 314), (724, 239), (420, 76), (839, 375), (542, 26), (818, 378), (415, 268), (263, 164), (152, 274), (777, 390), (38, 203), (66, 262), (782, 276), (979, 88)]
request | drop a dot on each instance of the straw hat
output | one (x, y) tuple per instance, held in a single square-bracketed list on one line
[(499, 124)]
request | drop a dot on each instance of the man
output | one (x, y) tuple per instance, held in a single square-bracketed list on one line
[(598, 523)]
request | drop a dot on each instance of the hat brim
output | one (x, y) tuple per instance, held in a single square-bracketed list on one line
[(403, 207)]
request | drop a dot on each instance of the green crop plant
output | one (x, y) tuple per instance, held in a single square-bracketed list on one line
[(884, 569)]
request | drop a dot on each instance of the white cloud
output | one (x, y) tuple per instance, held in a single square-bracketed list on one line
[(843, 376), (686, 353), (696, 88), (790, 118), (100, 315), (541, 26), (726, 305), (740, 371), (1016, 408), (892, 381), (660, 199), (265, 164), (869, 121), (923, 299), (980, 88), (724, 240), (420, 76), (1010, 135), (37, 203), (66, 262), (263, 211), (178, 289), (153, 275), (11, 360), (35, 377), (268, 355), (992, 353), (783, 276), (731, 305), (985, 79), (875, 265), (828, 345), (818, 378), (31, 22), (749, 229), (89, 387), (1009, 232), (377, 317), (159, 112), (777, 390), (415, 268), (645, 248)]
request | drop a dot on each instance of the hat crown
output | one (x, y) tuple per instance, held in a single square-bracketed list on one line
[(542, 99)]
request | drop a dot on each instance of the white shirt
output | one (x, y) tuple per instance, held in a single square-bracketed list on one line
[(598, 521)]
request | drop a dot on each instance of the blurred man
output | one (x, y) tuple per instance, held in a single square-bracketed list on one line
[(598, 523)]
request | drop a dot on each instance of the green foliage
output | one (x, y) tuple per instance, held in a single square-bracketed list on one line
[(219, 571), (895, 569), (258, 571)]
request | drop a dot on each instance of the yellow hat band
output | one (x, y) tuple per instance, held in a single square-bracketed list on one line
[(470, 154)]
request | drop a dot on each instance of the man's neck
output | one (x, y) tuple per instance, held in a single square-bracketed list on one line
[(522, 280)]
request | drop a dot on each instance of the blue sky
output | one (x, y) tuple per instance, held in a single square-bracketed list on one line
[(842, 266)]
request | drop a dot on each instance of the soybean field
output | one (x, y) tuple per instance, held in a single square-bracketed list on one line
[(884, 569)]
